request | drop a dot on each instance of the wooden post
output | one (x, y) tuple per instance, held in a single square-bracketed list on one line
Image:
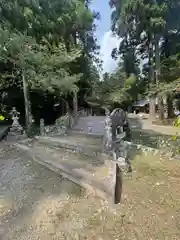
[(114, 182), (118, 186)]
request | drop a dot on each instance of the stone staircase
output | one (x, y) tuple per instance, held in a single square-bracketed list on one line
[(96, 123), (78, 156)]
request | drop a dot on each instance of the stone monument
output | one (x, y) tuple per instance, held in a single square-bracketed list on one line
[(42, 127), (16, 128), (114, 146)]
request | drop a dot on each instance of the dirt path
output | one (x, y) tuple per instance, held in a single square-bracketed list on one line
[(37, 204)]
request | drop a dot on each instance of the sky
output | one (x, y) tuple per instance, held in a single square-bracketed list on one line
[(105, 39)]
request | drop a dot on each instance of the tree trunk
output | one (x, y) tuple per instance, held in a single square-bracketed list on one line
[(170, 112), (157, 75), (27, 104), (66, 105), (75, 103), (152, 105), (157, 60), (161, 108), (158, 72)]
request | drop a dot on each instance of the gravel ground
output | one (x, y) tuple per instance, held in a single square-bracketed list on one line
[(33, 199)]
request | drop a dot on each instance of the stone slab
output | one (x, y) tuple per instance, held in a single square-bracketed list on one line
[(91, 135), (97, 179), (83, 145)]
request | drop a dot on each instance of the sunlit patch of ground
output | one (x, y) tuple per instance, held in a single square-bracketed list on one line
[(39, 204)]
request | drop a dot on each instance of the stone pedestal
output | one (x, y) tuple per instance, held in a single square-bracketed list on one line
[(16, 134), (16, 131), (16, 128)]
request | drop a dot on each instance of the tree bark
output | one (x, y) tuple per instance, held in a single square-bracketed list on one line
[(170, 112), (152, 107), (152, 104), (75, 103), (157, 76), (157, 60), (161, 108), (27, 103)]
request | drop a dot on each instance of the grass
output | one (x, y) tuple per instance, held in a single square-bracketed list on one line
[(150, 207), (153, 139)]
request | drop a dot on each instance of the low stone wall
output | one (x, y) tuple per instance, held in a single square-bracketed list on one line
[(61, 126)]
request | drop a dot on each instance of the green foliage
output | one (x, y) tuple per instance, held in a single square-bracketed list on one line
[(47, 48), (45, 68), (2, 118), (130, 81), (63, 121), (141, 23), (48, 40), (52, 69), (176, 122), (115, 88)]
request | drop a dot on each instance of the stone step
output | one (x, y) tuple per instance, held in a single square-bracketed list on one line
[(83, 144), (95, 122), (85, 134), (89, 130), (66, 153), (87, 146), (94, 176)]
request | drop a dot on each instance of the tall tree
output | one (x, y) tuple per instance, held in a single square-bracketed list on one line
[(62, 42), (144, 24)]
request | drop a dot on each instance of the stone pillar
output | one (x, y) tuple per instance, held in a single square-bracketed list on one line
[(107, 139), (42, 127)]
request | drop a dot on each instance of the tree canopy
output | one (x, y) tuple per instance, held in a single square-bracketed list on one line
[(148, 52), (48, 45)]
